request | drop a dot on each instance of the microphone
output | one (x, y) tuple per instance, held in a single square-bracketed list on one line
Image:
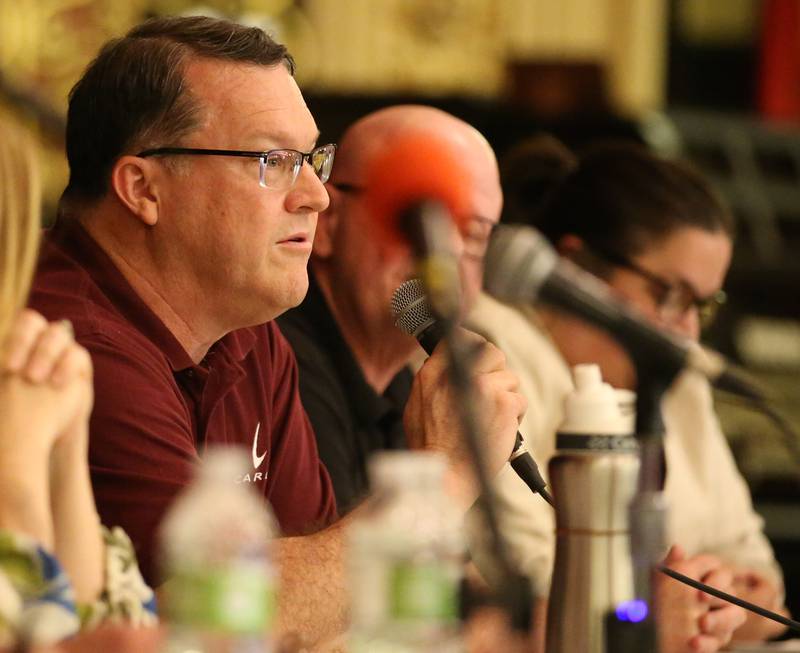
[(414, 192), (413, 189), (413, 316), (522, 267), (410, 174)]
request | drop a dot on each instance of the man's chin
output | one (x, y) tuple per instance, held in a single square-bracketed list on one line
[(299, 290), (293, 294), (272, 302)]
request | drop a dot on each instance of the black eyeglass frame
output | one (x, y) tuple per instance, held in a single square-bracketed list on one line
[(706, 307), (249, 154)]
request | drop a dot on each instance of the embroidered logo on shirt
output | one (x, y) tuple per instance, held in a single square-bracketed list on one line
[(252, 477), (257, 460)]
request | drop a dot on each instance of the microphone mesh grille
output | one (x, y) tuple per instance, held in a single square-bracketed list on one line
[(410, 308)]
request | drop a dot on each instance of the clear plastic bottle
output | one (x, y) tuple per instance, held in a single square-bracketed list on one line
[(406, 558), (215, 552)]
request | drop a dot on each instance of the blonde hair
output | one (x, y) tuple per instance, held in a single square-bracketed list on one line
[(20, 219)]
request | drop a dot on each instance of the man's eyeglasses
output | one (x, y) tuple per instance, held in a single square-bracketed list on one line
[(673, 299), (278, 169)]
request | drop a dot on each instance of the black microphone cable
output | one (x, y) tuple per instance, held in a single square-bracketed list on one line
[(730, 598)]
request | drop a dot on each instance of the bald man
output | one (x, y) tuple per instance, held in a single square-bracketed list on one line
[(353, 361), (354, 380)]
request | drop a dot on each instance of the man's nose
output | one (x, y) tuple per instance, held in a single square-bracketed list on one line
[(308, 192)]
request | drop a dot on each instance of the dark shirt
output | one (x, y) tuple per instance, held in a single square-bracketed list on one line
[(155, 411), (351, 420)]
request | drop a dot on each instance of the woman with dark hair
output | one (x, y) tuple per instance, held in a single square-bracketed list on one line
[(662, 240)]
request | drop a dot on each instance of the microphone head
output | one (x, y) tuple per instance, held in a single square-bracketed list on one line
[(518, 262), (412, 313), (410, 170)]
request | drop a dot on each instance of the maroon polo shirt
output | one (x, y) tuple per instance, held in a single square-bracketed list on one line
[(155, 411)]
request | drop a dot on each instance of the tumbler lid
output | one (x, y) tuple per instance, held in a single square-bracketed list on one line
[(592, 408)]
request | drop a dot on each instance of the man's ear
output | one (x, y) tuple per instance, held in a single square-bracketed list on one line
[(132, 180), (327, 225)]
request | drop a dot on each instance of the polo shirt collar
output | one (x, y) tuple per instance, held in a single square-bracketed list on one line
[(70, 235)]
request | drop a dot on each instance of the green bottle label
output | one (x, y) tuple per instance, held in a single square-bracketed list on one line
[(237, 600), (422, 592)]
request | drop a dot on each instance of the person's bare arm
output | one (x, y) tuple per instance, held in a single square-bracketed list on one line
[(313, 594), (46, 394), (78, 541), (29, 424), (24, 480)]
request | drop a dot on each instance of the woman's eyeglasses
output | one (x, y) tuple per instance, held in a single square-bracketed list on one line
[(673, 299)]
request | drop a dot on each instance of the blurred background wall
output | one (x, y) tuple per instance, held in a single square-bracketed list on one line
[(425, 47), (716, 81), (432, 47)]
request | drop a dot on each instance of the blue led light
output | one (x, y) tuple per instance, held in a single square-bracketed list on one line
[(632, 611)]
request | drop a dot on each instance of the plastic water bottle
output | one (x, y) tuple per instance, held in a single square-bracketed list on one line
[(593, 475), (215, 544), (406, 558)]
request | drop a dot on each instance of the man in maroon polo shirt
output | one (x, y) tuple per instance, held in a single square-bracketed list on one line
[(186, 227)]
